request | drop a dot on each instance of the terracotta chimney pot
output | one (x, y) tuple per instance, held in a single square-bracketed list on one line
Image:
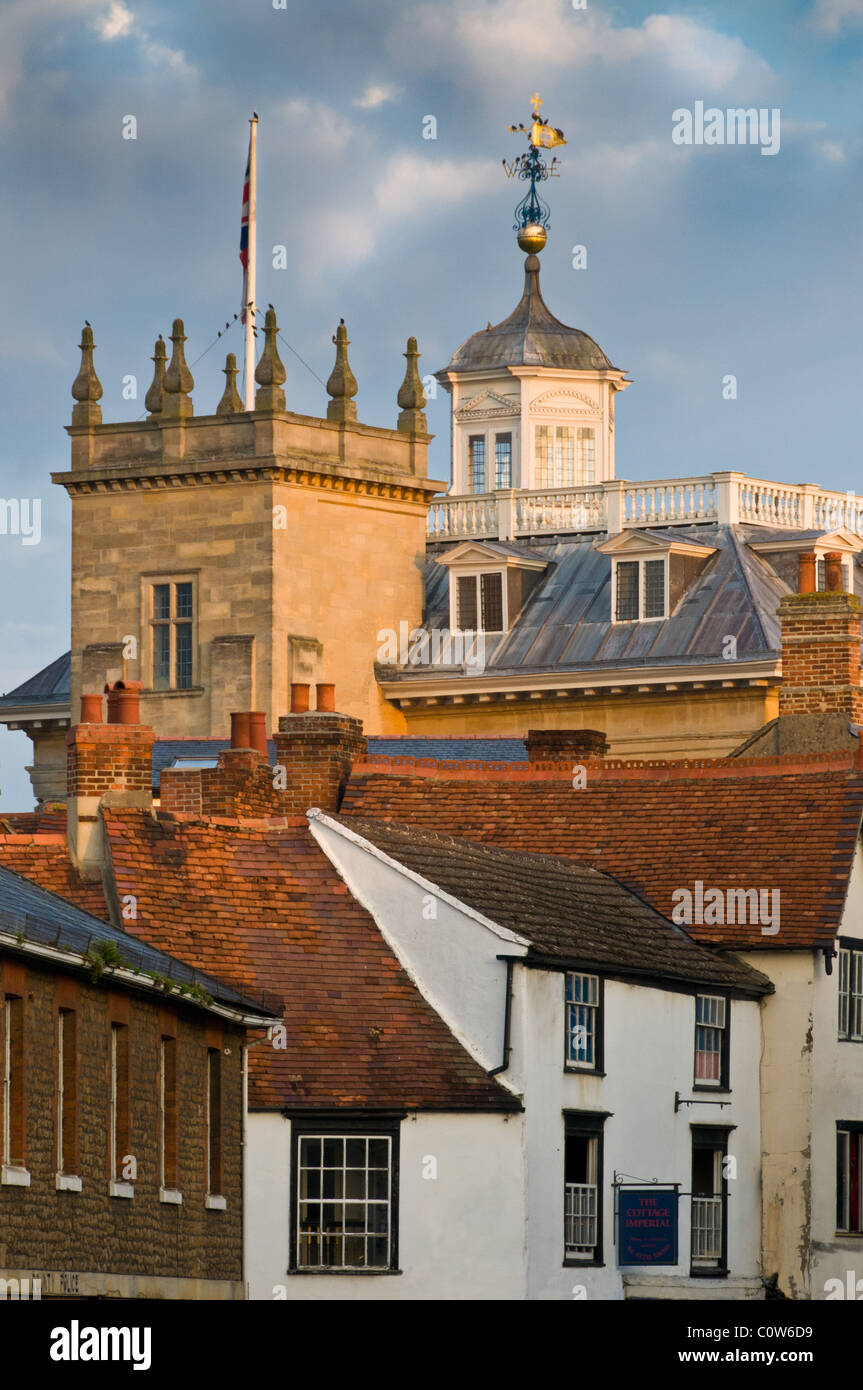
[(326, 698), (258, 731), (91, 709), (240, 735), (834, 577), (299, 698), (806, 572)]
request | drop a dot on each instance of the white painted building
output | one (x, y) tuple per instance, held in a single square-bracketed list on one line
[(620, 1085)]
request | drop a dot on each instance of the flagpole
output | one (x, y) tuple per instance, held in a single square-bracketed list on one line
[(249, 383)]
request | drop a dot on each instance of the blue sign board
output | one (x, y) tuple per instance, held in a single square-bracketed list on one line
[(647, 1226)]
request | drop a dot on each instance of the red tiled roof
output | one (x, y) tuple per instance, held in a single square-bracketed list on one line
[(777, 823), (44, 859), (259, 904)]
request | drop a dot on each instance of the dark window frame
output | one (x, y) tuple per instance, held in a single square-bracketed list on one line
[(640, 615), (371, 1124), (598, 1069), (587, 1124), (477, 466), (851, 1128), (711, 1138), (503, 459)]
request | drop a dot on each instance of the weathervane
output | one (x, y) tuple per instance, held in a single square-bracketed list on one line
[(533, 213)]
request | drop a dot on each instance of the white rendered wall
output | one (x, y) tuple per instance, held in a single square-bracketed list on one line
[(649, 1054), (461, 1233)]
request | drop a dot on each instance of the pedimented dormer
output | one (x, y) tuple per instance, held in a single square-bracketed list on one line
[(532, 402), (490, 582), (651, 572), (782, 554)]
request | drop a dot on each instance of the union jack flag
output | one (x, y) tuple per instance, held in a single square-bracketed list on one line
[(244, 235)]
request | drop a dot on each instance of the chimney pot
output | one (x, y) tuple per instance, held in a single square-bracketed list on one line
[(258, 731), (326, 698), (806, 572), (834, 578), (91, 709), (240, 735), (299, 698), (124, 702)]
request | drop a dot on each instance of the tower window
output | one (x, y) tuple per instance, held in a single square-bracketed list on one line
[(565, 456), (503, 460), (639, 590), (172, 620), (476, 446)]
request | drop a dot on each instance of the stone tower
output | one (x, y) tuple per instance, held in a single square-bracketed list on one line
[(217, 558)]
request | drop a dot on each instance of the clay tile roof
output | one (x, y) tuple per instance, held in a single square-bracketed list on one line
[(262, 906), (569, 912), (44, 859), (789, 825)]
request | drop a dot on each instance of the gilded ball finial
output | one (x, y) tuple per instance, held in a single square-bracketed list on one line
[(532, 238)]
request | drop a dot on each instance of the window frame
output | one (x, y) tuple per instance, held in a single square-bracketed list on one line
[(852, 949), (500, 440), (214, 1127), (326, 1125), (150, 583), (714, 1139), (66, 1116), (845, 1129), (723, 1084), (640, 561), (598, 1067), (13, 1136), (477, 576), (472, 489), (589, 1125), (119, 1109), (169, 1116)]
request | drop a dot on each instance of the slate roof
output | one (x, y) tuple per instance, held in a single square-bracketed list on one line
[(570, 913), (45, 919), (787, 824), (566, 623), (454, 749), (264, 903), (530, 336), (51, 685)]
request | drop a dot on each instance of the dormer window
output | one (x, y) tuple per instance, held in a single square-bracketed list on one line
[(489, 584), (480, 602), (651, 572), (639, 590)]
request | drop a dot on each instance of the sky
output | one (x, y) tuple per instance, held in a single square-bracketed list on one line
[(703, 261)]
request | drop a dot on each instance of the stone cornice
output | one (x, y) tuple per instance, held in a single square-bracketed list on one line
[(327, 476)]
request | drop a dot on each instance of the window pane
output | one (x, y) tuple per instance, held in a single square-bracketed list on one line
[(183, 638), (542, 438), (586, 457), (492, 602), (466, 606), (564, 456), (161, 602), (345, 1230), (503, 460), (626, 576), (184, 600), (161, 657), (654, 588), (476, 446)]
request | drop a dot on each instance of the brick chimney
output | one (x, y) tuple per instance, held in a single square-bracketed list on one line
[(821, 645), (565, 745), (106, 765), (315, 751)]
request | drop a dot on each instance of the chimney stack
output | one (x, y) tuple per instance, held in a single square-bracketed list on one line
[(821, 645), (106, 765), (565, 745)]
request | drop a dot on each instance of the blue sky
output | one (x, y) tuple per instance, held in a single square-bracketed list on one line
[(702, 261)]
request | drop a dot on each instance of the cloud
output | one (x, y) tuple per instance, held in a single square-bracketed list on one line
[(488, 37), (375, 96), (832, 151), (117, 23), (327, 131), (828, 16), (120, 23)]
